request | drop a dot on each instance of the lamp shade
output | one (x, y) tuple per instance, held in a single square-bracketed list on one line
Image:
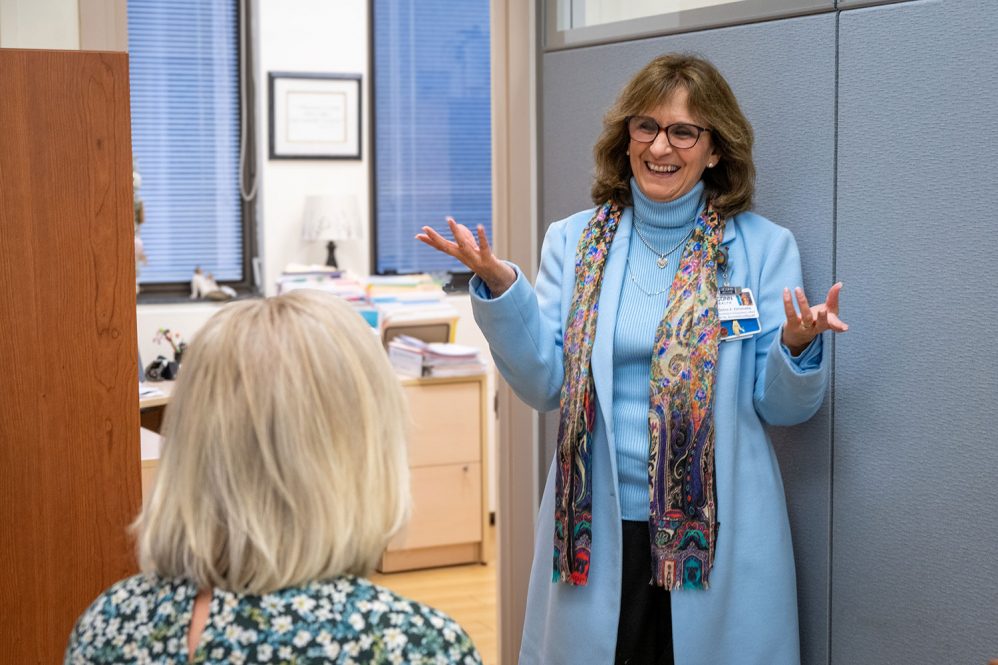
[(331, 218)]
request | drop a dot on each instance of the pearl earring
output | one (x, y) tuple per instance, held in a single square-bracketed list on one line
[(710, 165)]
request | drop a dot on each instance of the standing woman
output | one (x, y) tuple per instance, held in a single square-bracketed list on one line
[(670, 540)]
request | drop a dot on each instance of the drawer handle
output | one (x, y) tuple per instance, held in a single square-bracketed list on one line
[(465, 468)]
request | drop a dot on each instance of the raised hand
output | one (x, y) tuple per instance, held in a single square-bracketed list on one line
[(801, 328), (477, 256)]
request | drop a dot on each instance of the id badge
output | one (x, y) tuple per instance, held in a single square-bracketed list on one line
[(737, 312)]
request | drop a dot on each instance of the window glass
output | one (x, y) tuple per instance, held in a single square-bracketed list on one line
[(582, 13), (432, 127), (184, 69)]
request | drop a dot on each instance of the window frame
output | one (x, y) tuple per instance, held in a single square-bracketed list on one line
[(671, 22), (249, 285)]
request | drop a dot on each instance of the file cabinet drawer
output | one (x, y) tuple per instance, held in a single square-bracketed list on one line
[(447, 464), (446, 423), (447, 507)]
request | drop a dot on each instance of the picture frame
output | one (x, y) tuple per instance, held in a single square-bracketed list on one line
[(314, 115)]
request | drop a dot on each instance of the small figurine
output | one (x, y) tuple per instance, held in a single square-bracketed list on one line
[(204, 286)]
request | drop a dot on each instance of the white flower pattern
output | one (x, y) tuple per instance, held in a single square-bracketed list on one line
[(144, 619)]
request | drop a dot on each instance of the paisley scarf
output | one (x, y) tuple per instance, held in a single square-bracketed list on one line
[(683, 503)]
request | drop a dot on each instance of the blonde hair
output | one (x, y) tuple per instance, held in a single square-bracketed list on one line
[(731, 183), (283, 457)]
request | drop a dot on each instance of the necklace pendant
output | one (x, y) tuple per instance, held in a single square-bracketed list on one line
[(662, 261)]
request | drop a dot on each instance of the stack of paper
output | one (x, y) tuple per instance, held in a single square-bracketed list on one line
[(413, 357), (332, 281), (338, 282), (149, 391), (452, 360), (406, 355)]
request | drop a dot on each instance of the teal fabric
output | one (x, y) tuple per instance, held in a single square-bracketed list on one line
[(749, 614)]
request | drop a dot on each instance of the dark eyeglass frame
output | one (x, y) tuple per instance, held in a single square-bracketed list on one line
[(630, 131)]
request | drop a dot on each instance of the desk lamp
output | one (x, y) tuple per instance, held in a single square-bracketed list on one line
[(331, 218)]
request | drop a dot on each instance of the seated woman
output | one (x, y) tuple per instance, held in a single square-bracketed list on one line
[(283, 475)]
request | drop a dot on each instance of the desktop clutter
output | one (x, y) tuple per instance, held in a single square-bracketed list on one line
[(408, 312), (162, 368)]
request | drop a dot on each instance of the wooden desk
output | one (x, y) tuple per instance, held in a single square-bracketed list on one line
[(149, 442), (165, 387), (151, 418), (151, 408)]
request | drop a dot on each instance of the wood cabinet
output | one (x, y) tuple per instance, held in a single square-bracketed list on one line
[(447, 461), (69, 429)]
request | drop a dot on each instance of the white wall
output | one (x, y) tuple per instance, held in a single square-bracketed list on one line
[(311, 36), (184, 318), (48, 24)]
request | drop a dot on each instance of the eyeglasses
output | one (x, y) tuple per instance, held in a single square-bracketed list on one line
[(680, 135)]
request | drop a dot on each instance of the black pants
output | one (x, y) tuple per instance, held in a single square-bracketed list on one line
[(644, 632)]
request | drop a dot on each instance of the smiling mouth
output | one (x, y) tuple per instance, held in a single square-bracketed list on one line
[(663, 169)]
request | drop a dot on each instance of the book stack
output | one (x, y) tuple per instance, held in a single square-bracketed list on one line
[(410, 302), (338, 282), (321, 278), (406, 355), (419, 288), (413, 357)]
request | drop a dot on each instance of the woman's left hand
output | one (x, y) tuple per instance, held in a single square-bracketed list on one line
[(801, 328)]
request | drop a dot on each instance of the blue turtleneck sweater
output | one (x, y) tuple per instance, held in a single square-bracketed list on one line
[(664, 226)]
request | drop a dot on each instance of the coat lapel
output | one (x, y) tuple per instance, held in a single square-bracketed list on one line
[(730, 233), (609, 299)]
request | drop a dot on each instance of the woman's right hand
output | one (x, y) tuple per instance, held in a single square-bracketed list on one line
[(477, 256)]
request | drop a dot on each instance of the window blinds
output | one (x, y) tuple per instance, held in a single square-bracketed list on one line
[(183, 59), (432, 127)]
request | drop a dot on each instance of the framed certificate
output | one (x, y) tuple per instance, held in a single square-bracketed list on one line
[(314, 116)]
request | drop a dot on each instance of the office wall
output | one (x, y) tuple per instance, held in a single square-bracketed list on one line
[(48, 24), (874, 147), (311, 36), (915, 530), (790, 101)]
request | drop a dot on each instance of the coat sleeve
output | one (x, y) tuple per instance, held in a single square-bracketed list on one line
[(788, 390), (524, 329)]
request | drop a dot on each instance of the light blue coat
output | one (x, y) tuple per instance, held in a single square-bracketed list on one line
[(749, 614)]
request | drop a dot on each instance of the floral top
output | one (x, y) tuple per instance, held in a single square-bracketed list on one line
[(145, 619)]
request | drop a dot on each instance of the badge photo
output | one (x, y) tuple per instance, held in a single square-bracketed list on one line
[(737, 312)]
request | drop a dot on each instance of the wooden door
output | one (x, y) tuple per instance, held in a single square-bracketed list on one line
[(69, 422)]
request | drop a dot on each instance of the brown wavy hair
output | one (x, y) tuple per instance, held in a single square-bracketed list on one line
[(731, 183)]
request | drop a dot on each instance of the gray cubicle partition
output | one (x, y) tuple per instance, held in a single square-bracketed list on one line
[(915, 511), (875, 146)]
